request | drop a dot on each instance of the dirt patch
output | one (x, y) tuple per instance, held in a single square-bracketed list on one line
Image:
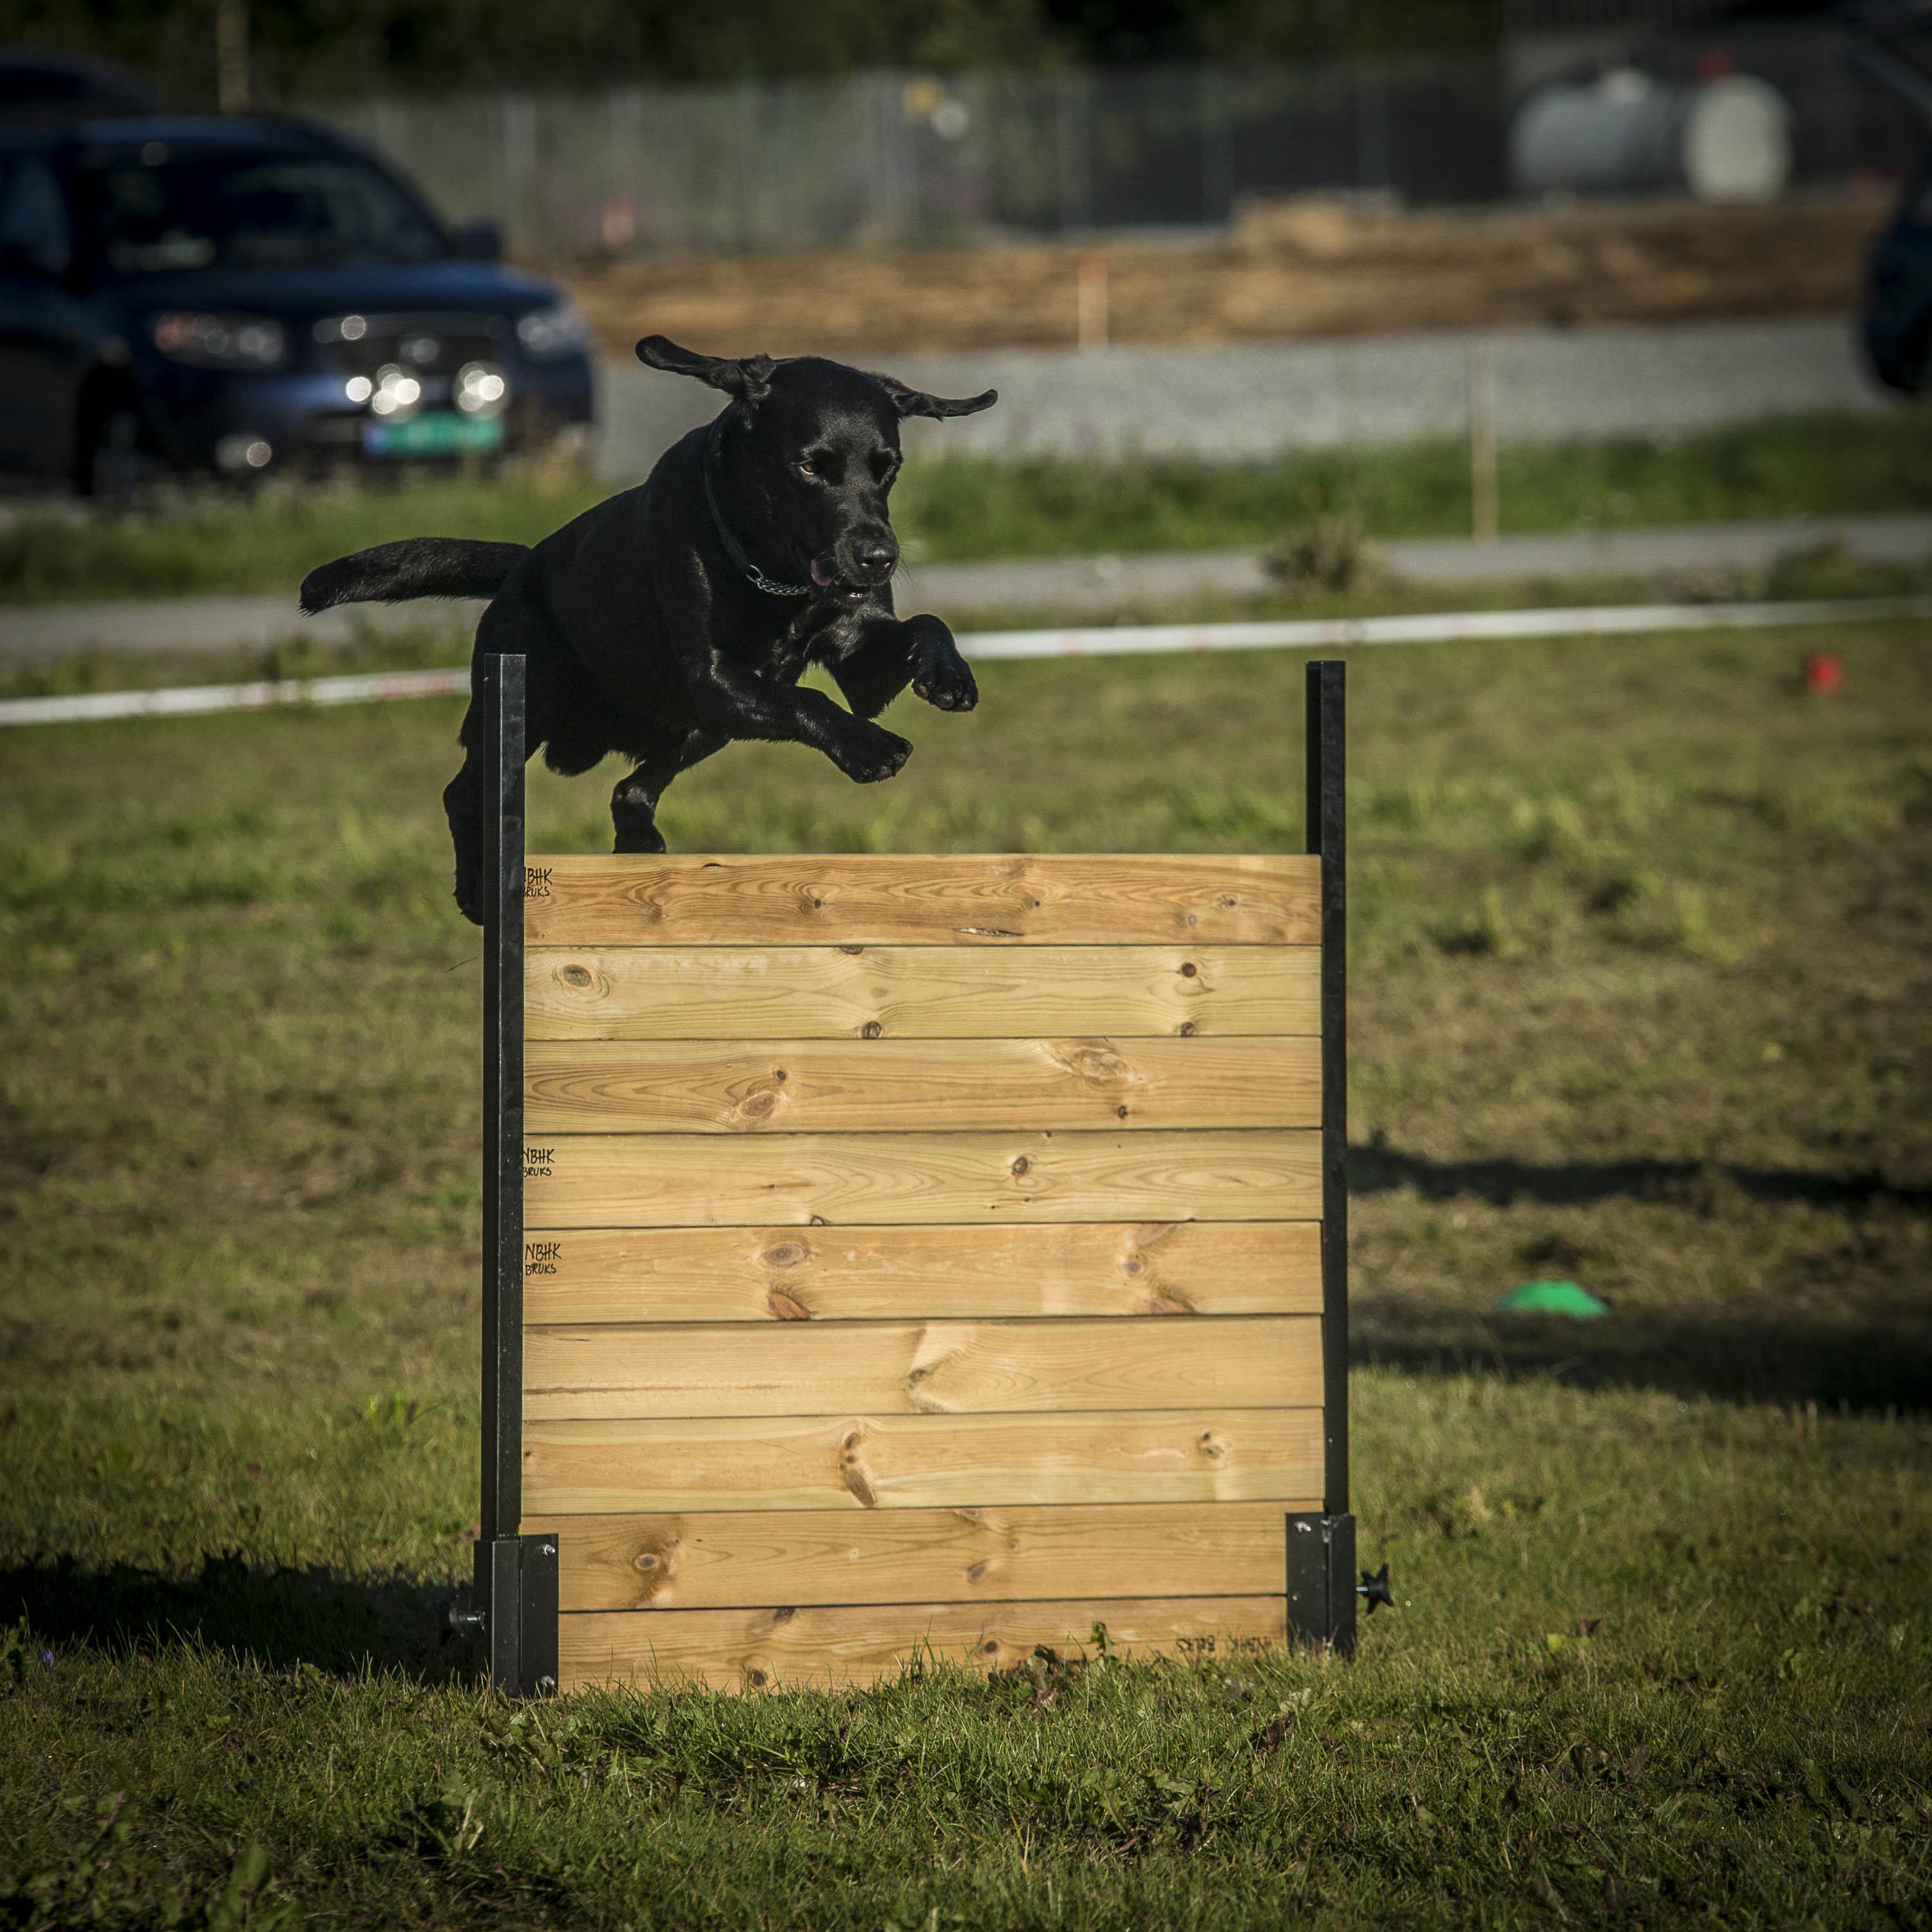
[(1305, 266)]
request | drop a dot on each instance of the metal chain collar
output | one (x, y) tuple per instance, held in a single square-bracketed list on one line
[(734, 549)]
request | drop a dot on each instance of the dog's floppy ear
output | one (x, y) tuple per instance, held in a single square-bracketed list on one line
[(747, 377), (917, 402)]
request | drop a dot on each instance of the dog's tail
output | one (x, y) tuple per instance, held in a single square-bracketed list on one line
[(392, 573)]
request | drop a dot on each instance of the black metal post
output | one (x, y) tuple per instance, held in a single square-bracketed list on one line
[(1327, 837), (501, 696), (516, 1594), (1323, 1547)]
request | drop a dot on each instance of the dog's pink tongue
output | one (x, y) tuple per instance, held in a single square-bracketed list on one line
[(820, 575)]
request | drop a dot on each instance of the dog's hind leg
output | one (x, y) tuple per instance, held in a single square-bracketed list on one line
[(466, 801), (470, 799), (633, 802)]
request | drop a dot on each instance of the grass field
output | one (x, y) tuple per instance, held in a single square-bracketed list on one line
[(1825, 465), (1642, 997)]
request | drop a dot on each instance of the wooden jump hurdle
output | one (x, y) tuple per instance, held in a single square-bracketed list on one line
[(890, 1256)]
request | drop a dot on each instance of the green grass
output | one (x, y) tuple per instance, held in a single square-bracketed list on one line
[(954, 508), (1823, 465), (1641, 996)]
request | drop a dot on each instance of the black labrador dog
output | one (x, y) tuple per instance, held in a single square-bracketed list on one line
[(680, 616)]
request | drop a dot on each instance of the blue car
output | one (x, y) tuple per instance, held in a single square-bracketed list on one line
[(246, 297), (1898, 305)]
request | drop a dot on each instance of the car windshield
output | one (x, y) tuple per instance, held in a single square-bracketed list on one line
[(278, 212)]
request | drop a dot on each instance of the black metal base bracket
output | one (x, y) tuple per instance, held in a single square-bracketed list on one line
[(516, 1614), (1321, 1581)]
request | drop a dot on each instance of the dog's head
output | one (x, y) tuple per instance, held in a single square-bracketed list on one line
[(809, 453)]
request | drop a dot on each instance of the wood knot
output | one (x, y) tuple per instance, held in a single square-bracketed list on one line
[(1021, 1166), (1120, 1113), (1188, 970), (978, 1570), (784, 1308), (783, 1616), (1135, 1266), (871, 1029), (647, 1562), (755, 1678), (575, 975), (1093, 1061), (757, 1105), (1187, 1028), (785, 1254)]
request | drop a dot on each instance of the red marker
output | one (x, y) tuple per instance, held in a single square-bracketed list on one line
[(1824, 671)]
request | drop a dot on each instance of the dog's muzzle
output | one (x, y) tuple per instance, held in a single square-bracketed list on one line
[(864, 564)]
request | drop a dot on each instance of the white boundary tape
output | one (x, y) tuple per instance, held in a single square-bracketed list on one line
[(1444, 627), (184, 700), (1603, 620)]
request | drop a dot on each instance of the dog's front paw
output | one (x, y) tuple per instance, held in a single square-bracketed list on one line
[(870, 754), (945, 683)]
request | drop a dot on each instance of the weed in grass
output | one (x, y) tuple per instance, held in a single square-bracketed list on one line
[(1659, 1649)]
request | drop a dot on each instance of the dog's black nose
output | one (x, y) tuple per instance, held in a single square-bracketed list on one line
[(873, 557)]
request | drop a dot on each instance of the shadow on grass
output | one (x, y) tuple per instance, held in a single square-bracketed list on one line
[(282, 1617), (1379, 1168), (1871, 1366)]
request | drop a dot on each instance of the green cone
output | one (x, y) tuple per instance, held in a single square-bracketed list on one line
[(1553, 1297)]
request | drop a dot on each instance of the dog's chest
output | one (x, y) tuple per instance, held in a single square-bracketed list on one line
[(829, 633)]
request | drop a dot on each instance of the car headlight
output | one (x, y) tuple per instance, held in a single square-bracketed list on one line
[(396, 392), (480, 390), (221, 341), (549, 334)]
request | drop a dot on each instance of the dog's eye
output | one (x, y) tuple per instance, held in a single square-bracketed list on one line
[(810, 468)]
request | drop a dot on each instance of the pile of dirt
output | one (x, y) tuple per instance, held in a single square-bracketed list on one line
[(1301, 267)]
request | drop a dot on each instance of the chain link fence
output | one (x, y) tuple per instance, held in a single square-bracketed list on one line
[(890, 157)]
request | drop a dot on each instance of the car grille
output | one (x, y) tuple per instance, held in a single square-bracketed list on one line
[(422, 345)]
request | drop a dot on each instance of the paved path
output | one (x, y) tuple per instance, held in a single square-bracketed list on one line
[(163, 625), (1064, 587), (1253, 401), (1099, 586)]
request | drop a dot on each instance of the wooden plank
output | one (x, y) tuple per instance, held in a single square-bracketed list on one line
[(657, 1180), (850, 899), (932, 992), (793, 1274), (889, 1086), (720, 1560), (917, 1462), (759, 1649), (920, 1368)]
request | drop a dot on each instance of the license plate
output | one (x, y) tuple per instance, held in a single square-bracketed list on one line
[(444, 433)]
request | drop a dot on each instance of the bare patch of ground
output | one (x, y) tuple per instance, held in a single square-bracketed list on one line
[(1301, 267)]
